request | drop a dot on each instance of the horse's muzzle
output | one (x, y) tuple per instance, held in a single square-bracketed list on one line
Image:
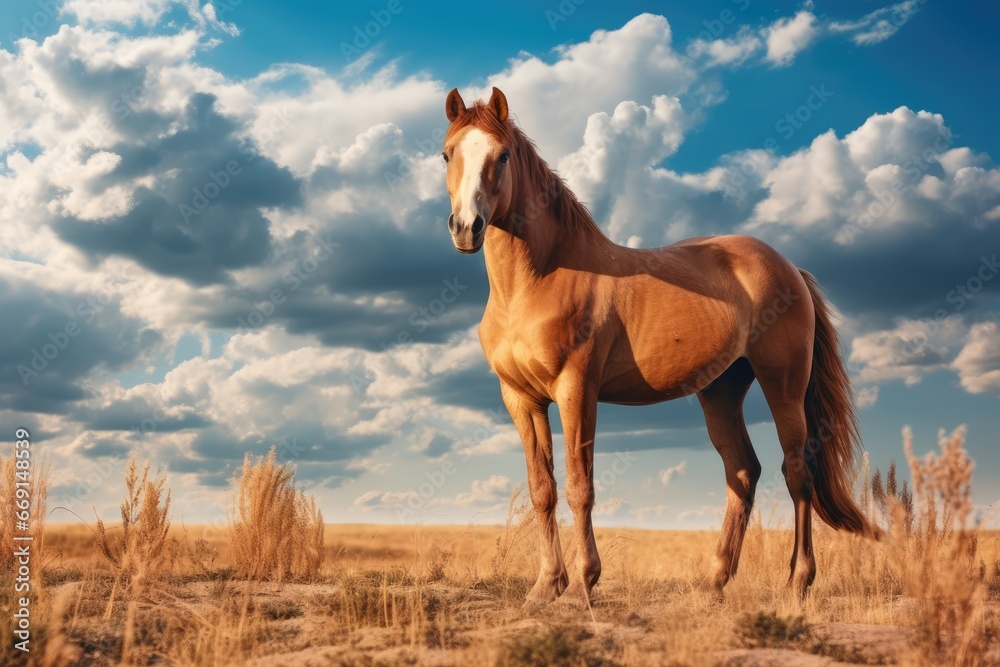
[(468, 239)]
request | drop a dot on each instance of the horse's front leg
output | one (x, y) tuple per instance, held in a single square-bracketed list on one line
[(532, 422), (577, 400)]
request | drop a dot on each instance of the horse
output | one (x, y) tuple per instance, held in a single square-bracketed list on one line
[(575, 319)]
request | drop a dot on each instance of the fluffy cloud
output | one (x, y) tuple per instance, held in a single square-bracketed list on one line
[(907, 352), (373, 499), (786, 37), (124, 12), (978, 363), (147, 12), (730, 52), (711, 511), (613, 508), (865, 397), (65, 333), (667, 474), (543, 95), (617, 150), (490, 491)]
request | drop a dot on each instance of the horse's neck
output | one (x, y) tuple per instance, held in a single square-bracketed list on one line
[(519, 254), (519, 250)]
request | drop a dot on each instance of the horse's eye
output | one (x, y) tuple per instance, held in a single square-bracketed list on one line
[(445, 156), (504, 157)]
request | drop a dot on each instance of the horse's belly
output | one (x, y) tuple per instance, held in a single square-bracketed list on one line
[(635, 386), (672, 367)]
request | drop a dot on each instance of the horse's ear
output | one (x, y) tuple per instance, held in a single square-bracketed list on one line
[(498, 102), (454, 106)]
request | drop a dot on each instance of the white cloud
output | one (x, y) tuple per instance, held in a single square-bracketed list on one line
[(727, 52), (978, 363), (385, 499), (632, 63), (898, 170), (879, 25), (612, 508), (812, 186), (368, 464), (496, 489), (146, 12), (123, 12), (866, 397), (714, 511), (667, 474), (907, 352), (786, 37), (611, 168), (645, 514)]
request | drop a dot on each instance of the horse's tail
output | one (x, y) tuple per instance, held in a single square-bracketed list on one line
[(833, 439)]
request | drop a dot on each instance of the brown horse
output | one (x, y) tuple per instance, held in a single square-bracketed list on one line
[(575, 319)]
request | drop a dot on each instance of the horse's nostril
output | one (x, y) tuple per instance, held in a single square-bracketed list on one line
[(451, 223), (478, 225)]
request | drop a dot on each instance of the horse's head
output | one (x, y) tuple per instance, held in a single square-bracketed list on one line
[(477, 151)]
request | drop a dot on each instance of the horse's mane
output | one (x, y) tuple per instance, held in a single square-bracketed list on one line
[(537, 184)]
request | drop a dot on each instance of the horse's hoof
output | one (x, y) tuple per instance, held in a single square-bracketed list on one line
[(575, 598)]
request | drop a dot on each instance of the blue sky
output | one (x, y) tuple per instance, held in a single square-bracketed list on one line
[(268, 314)]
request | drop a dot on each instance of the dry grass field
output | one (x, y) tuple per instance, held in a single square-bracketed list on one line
[(278, 587)]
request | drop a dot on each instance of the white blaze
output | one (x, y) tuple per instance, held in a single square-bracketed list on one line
[(476, 146)]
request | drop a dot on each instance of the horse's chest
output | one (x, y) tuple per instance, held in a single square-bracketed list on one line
[(527, 355)]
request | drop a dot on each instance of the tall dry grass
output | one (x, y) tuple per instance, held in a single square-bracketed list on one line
[(48, 645), (276, 531), (140, 551), (937, 558)]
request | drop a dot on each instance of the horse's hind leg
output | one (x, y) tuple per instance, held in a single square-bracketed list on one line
[(722, 402), (784, 387)]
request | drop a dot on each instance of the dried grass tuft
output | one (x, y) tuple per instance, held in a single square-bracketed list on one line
[(276, 531)]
